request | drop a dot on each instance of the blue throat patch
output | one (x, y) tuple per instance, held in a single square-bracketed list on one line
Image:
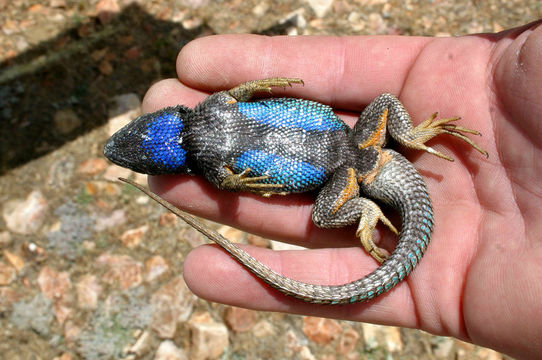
[(162, 141)]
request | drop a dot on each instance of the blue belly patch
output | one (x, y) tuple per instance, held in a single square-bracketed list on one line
[(292, 113), (294, 175)]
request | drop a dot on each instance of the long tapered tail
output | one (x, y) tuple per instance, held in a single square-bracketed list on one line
[(398, 184)]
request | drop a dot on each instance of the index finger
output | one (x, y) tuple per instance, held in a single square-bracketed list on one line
[(343, 72)]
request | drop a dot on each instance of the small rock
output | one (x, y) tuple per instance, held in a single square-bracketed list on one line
[(61, 172), (105, 67), (122, 269), (232, 234), (66, 120), (88, 292), (7, 274), (54, 285), (192, 23), (26, 216), (132, 238), (142, 345), (295, 18), (15, 260), (240, 320), (172, 303), (209, 338), (260, 9), (263, 328), (193, 4), (71, 331), (125, 104), (167, 219), (7, 297), (375, 335), (116, 218), (347, 341), (57, 3), (169, 351), (92, 167), (488, 354), (5, 239), (154, 267), (106, 10), (320, 7), (320, 330), (191, 236)]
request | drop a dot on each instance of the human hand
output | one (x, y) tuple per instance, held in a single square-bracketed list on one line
[(480, 278)]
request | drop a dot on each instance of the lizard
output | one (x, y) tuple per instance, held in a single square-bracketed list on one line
[(289, 145)]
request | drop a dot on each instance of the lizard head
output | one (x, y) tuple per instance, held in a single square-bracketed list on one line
[(152, 143)]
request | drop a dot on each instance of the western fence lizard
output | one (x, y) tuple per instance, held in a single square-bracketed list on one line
[(287, 145)]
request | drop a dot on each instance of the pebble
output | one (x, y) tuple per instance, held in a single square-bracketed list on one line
[(26, 216), (7, 274), (348, 341), (123, 270), (320, 7), (240, 320), (321, 330), (155, 266), (125, 104), (209, 338), (263, 328), (132, 238), (15, 260), (109, 221), (379, 335), (5, 239), (172, 303), (167, 350), (92, 167), (88, 291), (142, 344)]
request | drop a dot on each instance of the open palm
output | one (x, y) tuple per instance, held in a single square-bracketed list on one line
[(481, 278)]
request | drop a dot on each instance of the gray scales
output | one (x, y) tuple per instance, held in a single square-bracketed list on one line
[(285, 145)]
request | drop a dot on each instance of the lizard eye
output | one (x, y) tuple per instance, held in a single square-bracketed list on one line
[(151, 144)]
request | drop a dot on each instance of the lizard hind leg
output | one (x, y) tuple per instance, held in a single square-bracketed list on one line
[(339, 204), (431, 128)]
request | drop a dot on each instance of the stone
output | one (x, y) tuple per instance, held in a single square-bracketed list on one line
[(154, 267), (7, 274), (26, 216), (379, 335), (320, 7), (88, 291), (15, 260), (209, 338), (122, 269), (239, 319), (263, 328), (132, 238), (347, 341), (167, 350), (92, 167), (172, 303), (321, 330)]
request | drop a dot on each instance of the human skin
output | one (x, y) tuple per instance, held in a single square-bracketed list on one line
[(481, 278)]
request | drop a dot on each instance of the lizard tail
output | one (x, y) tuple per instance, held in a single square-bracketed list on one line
[(398, 184)]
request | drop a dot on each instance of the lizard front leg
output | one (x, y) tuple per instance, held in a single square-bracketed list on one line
[(242, 182), (245, 91)]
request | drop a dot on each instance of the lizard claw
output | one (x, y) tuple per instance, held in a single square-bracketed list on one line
[(367, 224)]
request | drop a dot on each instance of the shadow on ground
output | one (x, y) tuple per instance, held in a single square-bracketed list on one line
[(74, 77)]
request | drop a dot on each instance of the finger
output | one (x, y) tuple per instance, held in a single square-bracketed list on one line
[(222, 279), (286, 218), (341, 71)]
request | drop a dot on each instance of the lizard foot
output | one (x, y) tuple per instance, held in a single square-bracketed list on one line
[(242, 182), (431, 128), (245, 91), (367, 223)]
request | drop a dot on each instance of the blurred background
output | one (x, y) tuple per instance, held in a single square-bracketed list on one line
[(90, 269)]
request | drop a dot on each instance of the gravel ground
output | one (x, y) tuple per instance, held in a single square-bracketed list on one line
[(89, 268)]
